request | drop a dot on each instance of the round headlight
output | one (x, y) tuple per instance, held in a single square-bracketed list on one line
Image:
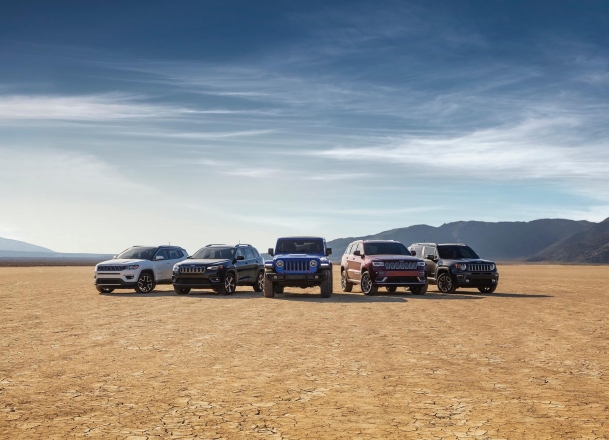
[(463, 266), (313, 263), (492, 267), (279, 263)]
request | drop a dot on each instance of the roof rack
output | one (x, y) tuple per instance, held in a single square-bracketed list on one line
[(425, 244), (216, 244), (243, 244)]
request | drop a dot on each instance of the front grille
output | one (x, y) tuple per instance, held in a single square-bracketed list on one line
[(296, 265), (479, 267), (192, 269), (401, 265), (110, 268)]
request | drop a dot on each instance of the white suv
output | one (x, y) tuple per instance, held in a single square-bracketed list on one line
[(139, 267)]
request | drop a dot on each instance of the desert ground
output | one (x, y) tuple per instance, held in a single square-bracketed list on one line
[(526, 362)]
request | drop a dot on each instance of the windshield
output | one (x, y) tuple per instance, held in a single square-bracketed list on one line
[(138, 253), (456, 252), (214, 253), (385, 249), (300, 246)]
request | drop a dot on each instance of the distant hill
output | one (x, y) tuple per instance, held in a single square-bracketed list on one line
[(589, 246), (6, 244), (493, 240)]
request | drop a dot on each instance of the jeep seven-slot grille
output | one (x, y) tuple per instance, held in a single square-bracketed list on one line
[(402, 265), (480, 267), (296, 265), (111, 268), (192, 269)]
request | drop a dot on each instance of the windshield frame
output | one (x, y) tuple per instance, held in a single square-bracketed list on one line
[(153, 250), (397, 243), (441, 247), (209, 248)]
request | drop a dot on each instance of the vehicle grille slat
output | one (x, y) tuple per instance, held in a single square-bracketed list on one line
[(192, 269), (402, 265), (480, 267), (296, 265), (111, 268)]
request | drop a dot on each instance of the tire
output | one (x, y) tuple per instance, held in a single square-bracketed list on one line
[(229, 284), (418, 290), (489, 289), (446, 283), (259, 284), (278, 289), (345, 284), (181, 290), (104, 289), (391, 289), (326, 284), (367, 287), (145, 283), (269, 289)]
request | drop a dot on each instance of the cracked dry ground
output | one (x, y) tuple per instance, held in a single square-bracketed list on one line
[(526, 362)]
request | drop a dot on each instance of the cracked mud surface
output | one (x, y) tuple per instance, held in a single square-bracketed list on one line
[(529, 361)]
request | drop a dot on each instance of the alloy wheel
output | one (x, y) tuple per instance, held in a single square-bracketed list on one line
[(261, 281), (145, 283), (343, 280), (366, 283), (229, 284), (445, 283)]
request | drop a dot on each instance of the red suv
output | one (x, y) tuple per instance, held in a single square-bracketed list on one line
[(376, 263)]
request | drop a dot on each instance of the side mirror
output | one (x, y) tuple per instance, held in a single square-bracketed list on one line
[(413, 253), (240, 257), (189, 257), (430, 257), (357, 253), (328, 251), (271, 252), (158, 258)]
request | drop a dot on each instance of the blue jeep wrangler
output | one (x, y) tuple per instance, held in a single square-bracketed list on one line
[(298, 262)]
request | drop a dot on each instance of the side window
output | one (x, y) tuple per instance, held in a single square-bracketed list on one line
[(174, 254), (255, 252), (359, 248), (249, 255), (429, 250), (240, 253), (348, 250), (162, 253)]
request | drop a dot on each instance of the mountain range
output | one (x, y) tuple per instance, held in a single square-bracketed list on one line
[(552, 240)]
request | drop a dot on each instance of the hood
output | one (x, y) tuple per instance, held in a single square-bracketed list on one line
[(448, 261), (392, 258), (198, 262), (120, 261), (299, 256)]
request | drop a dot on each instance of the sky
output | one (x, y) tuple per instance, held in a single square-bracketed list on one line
[(198, 122)]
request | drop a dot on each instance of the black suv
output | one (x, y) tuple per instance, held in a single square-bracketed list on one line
[(221, 268), (454, 265)]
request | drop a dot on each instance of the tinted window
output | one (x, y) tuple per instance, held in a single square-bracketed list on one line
[(249, 255), (215, 253), (255, 252), (456, 252), (300, 246), (139, 253), (174, 254), (162, 253), (391, 248), (240, 252), (429, 250)]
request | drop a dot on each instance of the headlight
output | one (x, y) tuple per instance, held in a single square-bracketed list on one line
[(421, 264), (279, 263), (313, 263), (219, 266), (132, 267), (492, 267), (176, 269), (378, 264), (463, 266)]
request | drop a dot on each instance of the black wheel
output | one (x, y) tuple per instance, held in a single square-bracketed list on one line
[(326, 284), (367, 287), (181, 290), (259, 284), (278, 289), (418, 290), (446, 283), (101, 289), (269, 289), (391, 289), (230, 284), (487, 289), (145, 283), (345, 284)]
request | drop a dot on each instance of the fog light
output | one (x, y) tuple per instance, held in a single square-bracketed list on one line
[(467, 280)]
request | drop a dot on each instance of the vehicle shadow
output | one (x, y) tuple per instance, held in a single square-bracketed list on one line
[(504, 295)]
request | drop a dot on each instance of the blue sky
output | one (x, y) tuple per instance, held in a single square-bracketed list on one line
[(196, 122)]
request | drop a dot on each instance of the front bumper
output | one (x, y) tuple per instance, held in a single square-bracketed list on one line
[(476, 279), (198, 281), (115, 282), (399, 278), (298, 279)]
